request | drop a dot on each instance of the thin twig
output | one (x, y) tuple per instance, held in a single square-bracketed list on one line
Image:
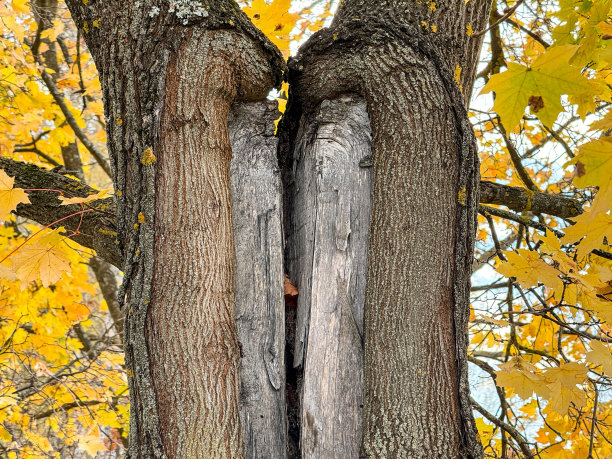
[(523, 445), (500, 20), (532, 34), (72, 122), (593, 422)]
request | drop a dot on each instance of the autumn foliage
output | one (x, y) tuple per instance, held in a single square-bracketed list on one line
[(542, 284)]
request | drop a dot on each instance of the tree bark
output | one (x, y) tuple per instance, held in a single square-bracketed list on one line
[(423, 216), (170, 72)]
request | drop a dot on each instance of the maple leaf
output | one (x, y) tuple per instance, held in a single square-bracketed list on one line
[(528, 269), (600, 355), (541, 84), (491, 320), (10, 197), (42, 259), (92, 197), (594, 163), (590, 230), (522, 377), (562, 382), (274, 20), (588, 299), (6, 273), (563, 396)]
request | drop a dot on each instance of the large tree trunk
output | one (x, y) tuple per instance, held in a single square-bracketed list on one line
[(170, 73), (425, 176)]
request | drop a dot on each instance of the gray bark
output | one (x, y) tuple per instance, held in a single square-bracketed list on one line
[(259, 276), (329, 212)]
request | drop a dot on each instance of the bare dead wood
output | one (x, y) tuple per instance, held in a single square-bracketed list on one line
[(259, 277), (327, 235)]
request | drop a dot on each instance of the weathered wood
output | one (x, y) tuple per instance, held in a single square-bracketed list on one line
[(259, 275), (327, 238)]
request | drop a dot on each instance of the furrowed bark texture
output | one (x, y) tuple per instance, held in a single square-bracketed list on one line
[(194, 315), (425, 167), (328, 200), (260, 303), (169, 75)]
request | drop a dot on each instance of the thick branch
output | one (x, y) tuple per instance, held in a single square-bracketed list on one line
[(96, 229), (66, 407), (521, 199)]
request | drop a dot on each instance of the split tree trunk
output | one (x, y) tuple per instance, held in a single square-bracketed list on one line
[(170, 73), (425, 175)]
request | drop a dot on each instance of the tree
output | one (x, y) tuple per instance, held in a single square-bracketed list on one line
[(173, 75)]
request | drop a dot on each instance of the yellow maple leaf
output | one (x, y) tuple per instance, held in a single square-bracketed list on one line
[(588, 299), (9, 196), (593, 165), (6, 273), (600, 355), (602, 124), (591, 229), (522, 377), (5, 435), (529, 270), (551, 245), (91, 443), (92, 197), (563, 383), (492, 320), (485, 431), (274, 20), (563, 396), (539, 85), (41, 259), (530, 408)]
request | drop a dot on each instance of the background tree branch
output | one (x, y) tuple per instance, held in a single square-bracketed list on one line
[(96, 229)]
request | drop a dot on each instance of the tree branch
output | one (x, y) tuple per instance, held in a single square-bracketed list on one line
[(96, 230), (533, 224), (72, 122), (65, 407), (521, 199), (531, 33)]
